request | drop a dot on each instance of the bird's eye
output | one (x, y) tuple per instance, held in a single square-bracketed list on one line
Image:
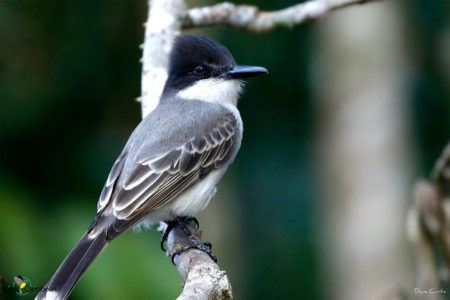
[(199, 70)]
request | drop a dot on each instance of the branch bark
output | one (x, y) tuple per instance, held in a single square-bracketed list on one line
[(203, 278), (161, 28)]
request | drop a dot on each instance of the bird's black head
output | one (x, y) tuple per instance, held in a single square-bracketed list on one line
[(194, 58)]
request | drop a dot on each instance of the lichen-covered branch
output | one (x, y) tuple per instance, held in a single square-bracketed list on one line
[(250, 18), (161, 28)]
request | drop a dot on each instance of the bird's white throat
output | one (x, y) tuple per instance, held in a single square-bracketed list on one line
[(215, 90)]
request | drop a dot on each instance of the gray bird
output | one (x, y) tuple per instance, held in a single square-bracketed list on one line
[(174, 158)]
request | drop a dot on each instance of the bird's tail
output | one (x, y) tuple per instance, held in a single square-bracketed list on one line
[(75, 264)]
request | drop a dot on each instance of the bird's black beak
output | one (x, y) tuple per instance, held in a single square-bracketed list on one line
[(241, 72)]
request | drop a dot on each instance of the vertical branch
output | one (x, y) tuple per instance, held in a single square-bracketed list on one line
[(161, 28), (365, 150)]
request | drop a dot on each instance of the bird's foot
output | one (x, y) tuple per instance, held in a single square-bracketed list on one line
[(195, 244), (193, 241), (173, 223)]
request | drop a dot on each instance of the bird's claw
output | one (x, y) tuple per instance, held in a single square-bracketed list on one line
[(196, 244), (170, 226)]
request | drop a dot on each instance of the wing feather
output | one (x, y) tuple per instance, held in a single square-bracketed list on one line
[(116, 170), (129, 197), (166, 161), (140, 174), (189, 161)]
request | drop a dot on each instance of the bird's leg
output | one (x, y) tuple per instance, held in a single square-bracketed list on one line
[(194, 241), (170, 226)]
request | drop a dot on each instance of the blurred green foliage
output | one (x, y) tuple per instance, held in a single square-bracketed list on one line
[(69, 74)]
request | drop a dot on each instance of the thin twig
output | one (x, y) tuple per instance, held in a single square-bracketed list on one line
[(250, 18)]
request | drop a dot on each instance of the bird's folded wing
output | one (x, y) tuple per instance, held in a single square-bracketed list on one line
[(158, 179)]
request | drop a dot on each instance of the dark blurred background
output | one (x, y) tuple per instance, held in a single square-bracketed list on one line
[(69, 77)]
